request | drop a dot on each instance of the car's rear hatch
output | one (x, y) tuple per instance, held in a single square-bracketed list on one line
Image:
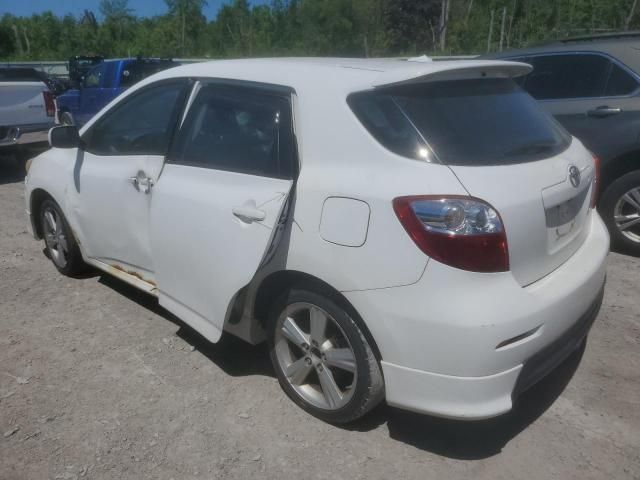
[(544, 214), (22, 103), (507, 151)]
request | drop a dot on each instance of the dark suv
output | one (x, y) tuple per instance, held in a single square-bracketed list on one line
[(592, 86)]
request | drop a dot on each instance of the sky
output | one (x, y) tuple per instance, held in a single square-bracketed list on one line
[(141, 8)]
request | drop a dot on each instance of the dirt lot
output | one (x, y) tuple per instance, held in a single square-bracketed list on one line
[(96, 381)]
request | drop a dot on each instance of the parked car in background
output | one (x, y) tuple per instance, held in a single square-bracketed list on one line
[(384, 238), (26, 109), (591, 85), (102, 84)]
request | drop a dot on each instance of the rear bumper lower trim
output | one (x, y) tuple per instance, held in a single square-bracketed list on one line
[(546, 360)]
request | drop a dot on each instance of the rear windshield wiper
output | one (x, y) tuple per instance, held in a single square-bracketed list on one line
[(531, 148)]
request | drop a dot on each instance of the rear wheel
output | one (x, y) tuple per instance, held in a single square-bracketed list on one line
[(61, 245), (66, 118), (322, 359), (620, 209)]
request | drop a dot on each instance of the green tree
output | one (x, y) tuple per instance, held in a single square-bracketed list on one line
[(117, 28), (189, 23)]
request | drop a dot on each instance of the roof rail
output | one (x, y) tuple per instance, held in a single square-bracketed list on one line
[(599, 36)]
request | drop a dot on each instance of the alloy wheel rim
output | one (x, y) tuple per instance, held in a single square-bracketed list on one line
[(315, 356), (55, 238), (626, 214)]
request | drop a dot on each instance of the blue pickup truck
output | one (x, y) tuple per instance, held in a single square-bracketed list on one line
[(102, 84)]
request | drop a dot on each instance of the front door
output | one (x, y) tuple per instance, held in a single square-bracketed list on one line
[(116, 173), (219, 199)]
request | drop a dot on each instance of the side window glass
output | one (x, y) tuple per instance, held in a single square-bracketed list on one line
[(568, 76), (92, 79), (109, 74), (237, 129), (384, 119), (139, 125), (620, 82)]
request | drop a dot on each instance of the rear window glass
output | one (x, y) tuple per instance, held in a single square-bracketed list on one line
[(462, 122), (136, 71)]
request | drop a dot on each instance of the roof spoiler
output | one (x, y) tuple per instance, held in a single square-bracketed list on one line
[(420, 72)]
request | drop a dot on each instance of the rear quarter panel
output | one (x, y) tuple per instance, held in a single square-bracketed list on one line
[(339, 158)]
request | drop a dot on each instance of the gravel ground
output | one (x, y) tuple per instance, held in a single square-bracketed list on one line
[(96, 381)]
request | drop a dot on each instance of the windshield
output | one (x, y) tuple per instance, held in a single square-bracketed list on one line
[(462, 122)]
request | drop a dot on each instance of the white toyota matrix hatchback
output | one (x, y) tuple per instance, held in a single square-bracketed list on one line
[(415, 231)]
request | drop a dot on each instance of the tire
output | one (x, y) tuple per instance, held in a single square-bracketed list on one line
[(60, 243), (66, 118), (622, 200), (344, 359)]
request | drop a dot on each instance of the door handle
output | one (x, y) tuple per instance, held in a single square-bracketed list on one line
[(249, 213), (141, 182), (603, 111)]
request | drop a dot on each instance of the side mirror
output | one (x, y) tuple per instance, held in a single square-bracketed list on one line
[(66, 136)]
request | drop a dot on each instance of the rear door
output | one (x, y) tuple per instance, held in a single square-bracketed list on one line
[(219, 198), (592, 95)]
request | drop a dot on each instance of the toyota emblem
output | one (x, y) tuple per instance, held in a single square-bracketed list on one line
[(574, 176)]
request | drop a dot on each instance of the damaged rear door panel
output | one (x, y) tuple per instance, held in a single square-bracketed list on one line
[(219, 199)]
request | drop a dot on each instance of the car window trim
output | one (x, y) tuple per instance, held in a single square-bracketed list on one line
[(611, 58), (283, 92), (186, 85)]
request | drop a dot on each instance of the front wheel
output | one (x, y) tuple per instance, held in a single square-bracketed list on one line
[(61, 245), (322, 359), (620, 210)]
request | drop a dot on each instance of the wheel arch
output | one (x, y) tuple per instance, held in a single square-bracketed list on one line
[(37, 198), (617, 167), (259, 299)]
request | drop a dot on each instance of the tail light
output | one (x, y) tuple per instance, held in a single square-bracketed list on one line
[(462, 232), (48, 103), (596, 181)]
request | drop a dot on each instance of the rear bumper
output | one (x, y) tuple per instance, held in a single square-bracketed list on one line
[(462, 345), (24, 134), (546, 360), (477, 398)]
